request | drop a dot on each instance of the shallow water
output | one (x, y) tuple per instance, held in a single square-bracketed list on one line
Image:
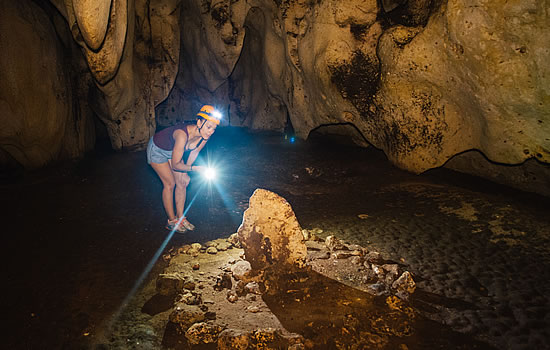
[(79, 235)]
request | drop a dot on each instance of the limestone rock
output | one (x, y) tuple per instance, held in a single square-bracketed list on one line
[(333, 243), (174, 283), (241, 270), (223, 281), (190, 298), (211, 250), (234, 240), (230, 339), (203, 333), (186, 315), (404, 285), (270, 233)]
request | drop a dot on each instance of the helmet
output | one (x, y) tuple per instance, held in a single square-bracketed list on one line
[(208, 112)]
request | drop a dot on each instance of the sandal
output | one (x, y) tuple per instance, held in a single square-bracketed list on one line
[(172, 225), (186, 224)]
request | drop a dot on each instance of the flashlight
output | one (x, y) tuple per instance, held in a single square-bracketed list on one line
[(210, 173)]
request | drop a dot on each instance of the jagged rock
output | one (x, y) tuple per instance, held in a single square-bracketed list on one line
[(203, 333), (185, 315), (240, 288), (270, 234), (231, 339), (223, 281), (369, 275), (253, 287), (241, 270), (333, 243), (232, 296), (190, 298), (404, 285), (391, 271), (234, 240), (174, 283), (357, 252)]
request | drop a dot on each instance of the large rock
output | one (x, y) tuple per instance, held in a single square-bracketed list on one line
[(271, 235)]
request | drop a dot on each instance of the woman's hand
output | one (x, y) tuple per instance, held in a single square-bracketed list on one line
[(198, 168)]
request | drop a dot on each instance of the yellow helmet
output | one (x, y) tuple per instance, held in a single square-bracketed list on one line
[(208, 112)]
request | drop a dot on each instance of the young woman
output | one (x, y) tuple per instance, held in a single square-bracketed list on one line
[(171, 153)]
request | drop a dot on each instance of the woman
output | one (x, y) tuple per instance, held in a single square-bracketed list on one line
[(171, 152)]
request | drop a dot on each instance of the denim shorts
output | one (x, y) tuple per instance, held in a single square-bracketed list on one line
[(156, 154)]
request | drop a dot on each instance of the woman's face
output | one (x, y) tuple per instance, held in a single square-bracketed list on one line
[(207, 129)]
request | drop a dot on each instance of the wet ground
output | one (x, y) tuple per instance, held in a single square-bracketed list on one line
[(78, 236)]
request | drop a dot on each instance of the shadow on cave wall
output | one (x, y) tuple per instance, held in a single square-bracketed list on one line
[(343, 133)]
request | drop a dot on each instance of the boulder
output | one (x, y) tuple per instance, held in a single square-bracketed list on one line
[(270, 234)]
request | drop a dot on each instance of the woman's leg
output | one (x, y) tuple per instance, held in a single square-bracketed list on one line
[(166, 175), (182, 180)]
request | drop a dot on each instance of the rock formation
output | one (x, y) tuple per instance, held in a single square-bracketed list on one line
[(42, 114), (128, 60), (345, 294), (423, 81), (132, 50), (271, 235)]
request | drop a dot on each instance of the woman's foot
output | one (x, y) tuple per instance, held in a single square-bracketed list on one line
[(172, 225), (187, 224)]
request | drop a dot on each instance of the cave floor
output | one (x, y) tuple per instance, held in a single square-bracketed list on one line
[(79, 235)]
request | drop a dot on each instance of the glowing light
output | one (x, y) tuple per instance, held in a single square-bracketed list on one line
[(292, 139), (217, 115), (210, 173)]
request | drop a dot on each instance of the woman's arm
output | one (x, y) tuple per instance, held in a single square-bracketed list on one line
[(193, 156), (177, 153)]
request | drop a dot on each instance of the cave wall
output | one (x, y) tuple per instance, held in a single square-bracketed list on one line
[(43, 116), (421, 80), (115, 60), (132, 50)]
